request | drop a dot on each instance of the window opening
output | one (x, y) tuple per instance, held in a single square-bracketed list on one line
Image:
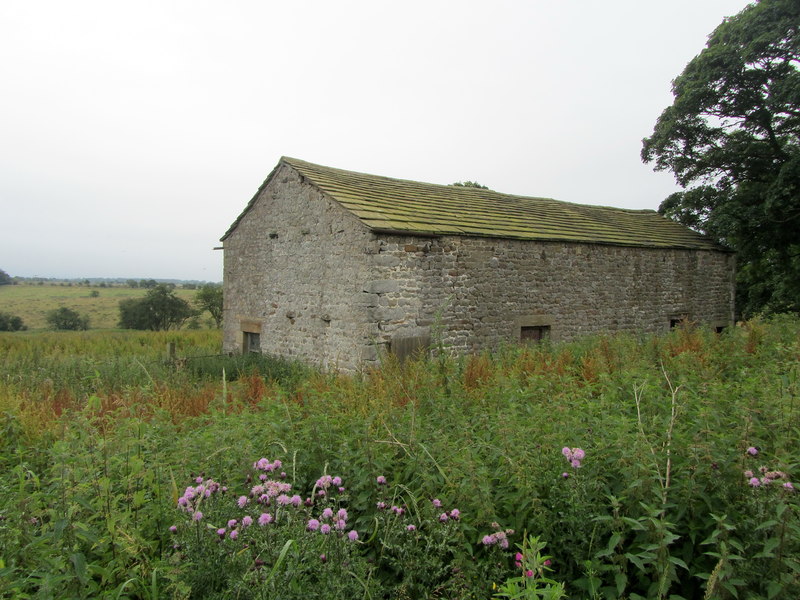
[(534, 334)]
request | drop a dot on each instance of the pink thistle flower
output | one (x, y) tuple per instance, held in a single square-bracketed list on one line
[(352, 535), (752, 451), (748, 474), (381, 480), (381, 505), (411, 527), (341, 514), (436, 503), (174, 529), (283, 475), (325, 528), (323, 558), (528, 573), (284, 500), (242, 501), (264, 519), (503, 543), (232, 523), (455, 514), (518, 556), (565, 475), (337, 481), (489, 540), (221, 532), (567, 453), (262, 477), (247, 521), (576, 463), (197, 516), (313, 525), (341, 525), (547, 562), (198, 480), (261, 464), (341, 490), (327, 513), (443, 517), (233, 534), (755, 481), (578, 453), (182, 501), (296, 500), (788, 486)]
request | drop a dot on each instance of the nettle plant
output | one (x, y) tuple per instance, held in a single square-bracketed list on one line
[(268, 539)]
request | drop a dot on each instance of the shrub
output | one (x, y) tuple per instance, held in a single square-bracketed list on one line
[(67, 319), (11, 322)]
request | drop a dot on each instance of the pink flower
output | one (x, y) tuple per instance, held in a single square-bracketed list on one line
[(296, 500), (325, 528), (436, 503), (455, 514), (327, 513), (381, 505), (567, 453), (381, 480), (755, 481), (788, 486), (221, 532), (242, 501), (748, 474), (197, 516), (337, 481), (352, 535), (341, 525), (576, 463), (264, 519), (547, 562), (503, 543), (518, 556), (752, 451), (565, 475), (489, 540), (284, 500), (313, 525), (174, 529), (411, 527), (232, 523), (342, 514), (578, 453), (233, 534), (443, 517), (247, 521), (528, 573)]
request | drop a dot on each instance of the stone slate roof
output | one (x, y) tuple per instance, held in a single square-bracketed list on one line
[(408, 207)]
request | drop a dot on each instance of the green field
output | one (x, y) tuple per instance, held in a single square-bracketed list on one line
[(684, 486), (32, 302)]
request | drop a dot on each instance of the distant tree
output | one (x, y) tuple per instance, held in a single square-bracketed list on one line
[(148, 283), (469, 184), (94, 294), (132, 283), (209, 297), (64, 318), (11, 322), (5, 278), (159, 310), (732, 139), (189, 286)]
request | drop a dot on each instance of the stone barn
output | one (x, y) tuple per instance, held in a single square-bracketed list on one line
[(334, 268)]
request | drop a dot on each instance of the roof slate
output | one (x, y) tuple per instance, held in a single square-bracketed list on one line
[(411, 207)]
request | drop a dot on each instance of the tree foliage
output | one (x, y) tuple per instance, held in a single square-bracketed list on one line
[(5, 278), (209, 297), (10, 322), (67, 319), (159, 310), (732, 139), (469, 184)]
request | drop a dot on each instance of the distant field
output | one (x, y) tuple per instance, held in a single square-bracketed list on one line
[(32, 302)]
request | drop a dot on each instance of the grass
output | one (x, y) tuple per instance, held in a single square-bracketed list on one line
[(32, 302), (101, 436)]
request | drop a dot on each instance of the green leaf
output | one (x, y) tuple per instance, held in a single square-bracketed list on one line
[(78, 561)]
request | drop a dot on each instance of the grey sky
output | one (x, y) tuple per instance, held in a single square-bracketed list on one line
[(132, 134)]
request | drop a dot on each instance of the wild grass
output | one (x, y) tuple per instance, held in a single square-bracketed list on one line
[(97, 449)]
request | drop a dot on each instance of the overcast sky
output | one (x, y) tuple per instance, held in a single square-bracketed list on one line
[(133, 133)]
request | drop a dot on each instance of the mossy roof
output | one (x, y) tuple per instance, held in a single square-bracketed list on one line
[(409, 207)]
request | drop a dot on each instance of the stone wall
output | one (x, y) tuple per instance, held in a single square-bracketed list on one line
[(480, 291), (294, 269)]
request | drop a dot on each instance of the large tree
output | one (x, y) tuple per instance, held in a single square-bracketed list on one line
[(209, 297), (732, 140), (159, 310)]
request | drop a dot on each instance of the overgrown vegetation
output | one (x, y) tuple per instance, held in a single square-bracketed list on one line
[(660, 467)]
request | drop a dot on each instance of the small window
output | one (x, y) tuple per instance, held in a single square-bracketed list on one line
[(719, 328), (410, 346), (678, 321), (534, 334), (252, 342)]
